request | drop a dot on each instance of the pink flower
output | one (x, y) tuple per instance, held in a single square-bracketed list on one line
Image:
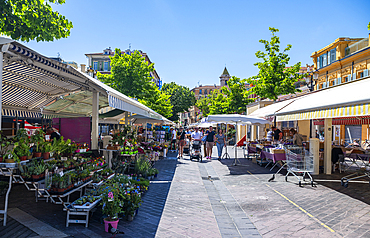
[(110, 195)]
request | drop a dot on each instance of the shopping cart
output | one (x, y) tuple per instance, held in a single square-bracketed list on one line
[(362, 170), (299, 160)]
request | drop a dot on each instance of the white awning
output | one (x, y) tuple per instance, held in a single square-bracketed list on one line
[(345, 100), (271, 109)]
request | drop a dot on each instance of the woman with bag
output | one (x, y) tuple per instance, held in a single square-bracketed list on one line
[(220, 142), (181, 138)]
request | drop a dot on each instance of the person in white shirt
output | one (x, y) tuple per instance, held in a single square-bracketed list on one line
[(196, 135), (173, 139)]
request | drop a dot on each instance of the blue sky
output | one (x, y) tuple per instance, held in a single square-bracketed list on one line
[(192, 41)]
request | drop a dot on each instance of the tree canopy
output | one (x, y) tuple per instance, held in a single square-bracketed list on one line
[(227, 100), (27, 20), (274, 77), (181, 98), (130, 75)]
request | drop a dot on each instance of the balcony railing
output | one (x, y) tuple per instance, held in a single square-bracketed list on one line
[(357, 46)]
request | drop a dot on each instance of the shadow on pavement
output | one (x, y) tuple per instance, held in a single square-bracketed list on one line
[(145, 224)]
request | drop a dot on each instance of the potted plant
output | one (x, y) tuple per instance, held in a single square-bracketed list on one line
[(111, 201), (4, 143), (46, 147), (22, 149), (39, 171), (37, 138)]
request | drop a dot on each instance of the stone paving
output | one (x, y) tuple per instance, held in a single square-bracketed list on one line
[(216, 199)]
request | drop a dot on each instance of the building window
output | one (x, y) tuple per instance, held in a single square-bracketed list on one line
[(332, 55), (205, 91), (95, 65), (106, 66), (200, 91)]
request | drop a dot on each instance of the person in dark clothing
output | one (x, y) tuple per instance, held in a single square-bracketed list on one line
[(53, 134), (181, 138), (278, 135), (210, 141)]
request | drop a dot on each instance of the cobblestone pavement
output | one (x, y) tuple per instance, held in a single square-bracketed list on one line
[(216, 199)]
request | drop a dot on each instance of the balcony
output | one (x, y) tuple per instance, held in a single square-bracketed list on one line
[(357, 47)]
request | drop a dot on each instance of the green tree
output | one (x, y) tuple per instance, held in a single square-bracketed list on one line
[(159, 102), (130, 74), (237, 95), (203, 105), (27, 20), (181, 98), (368, 26), (274, 77), (219, 103)]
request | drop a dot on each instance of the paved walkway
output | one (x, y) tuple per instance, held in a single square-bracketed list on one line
[(214, 199)]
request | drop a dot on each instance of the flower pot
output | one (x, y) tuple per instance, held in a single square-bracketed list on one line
[(36, 154), (9, 160), (23, 158), (46, 155), (155, 175), (1, 159), (114, 224), (29, 157)]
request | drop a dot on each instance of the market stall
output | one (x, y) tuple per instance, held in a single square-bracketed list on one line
[(237, 120)]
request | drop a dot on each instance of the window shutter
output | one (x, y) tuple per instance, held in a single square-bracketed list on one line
[(324, 85), (366, 73), (339, 80), (354, 76), (349, 78)]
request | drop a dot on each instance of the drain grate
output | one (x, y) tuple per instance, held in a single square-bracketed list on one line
[(211, 178)]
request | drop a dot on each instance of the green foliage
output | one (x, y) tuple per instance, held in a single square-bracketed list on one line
[(231, 99), (203, 105), (218, 102), (159, 102), (237, 95), (38, 138), (22, 149), (274, 77), (368, 26), (181, 98), (27, 20), (130, 75)]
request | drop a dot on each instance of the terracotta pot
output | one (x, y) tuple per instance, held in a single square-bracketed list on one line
[(61, 190), (23, 158), (9, 160), (1, 159), (29, 157), (36, 154), (46, 155)]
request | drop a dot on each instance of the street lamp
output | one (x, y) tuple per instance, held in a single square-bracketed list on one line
[(314, 76)]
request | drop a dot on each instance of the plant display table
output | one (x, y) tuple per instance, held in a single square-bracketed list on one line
[(7, 169), (110, 156), (80, 210)]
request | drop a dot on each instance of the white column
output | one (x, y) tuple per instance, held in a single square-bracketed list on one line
[(314, 149), (95, 121), (1, 87), (328, 134)]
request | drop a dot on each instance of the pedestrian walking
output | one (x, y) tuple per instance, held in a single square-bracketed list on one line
[(278, 135), (173, 139), (181, 138), (220, 142), (210, 141)]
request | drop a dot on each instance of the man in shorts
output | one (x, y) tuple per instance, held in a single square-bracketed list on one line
[(210, 142), (182, 142)]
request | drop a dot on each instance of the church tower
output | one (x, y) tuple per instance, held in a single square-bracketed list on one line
[(225, 76)]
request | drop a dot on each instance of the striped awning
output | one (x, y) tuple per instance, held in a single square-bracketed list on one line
[(21, 114), (360, 120), (347, 111), (345, 100)]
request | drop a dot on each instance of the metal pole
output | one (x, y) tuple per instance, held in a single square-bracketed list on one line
[(95, 121)]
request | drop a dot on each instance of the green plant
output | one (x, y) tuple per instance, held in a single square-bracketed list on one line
[(22, 148), (40, 168), (21, 136), (38, 138), (46, 147), (111, 200), (5, 144)]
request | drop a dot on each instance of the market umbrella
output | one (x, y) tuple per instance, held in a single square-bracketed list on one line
[(237, 120), (206, 124)]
